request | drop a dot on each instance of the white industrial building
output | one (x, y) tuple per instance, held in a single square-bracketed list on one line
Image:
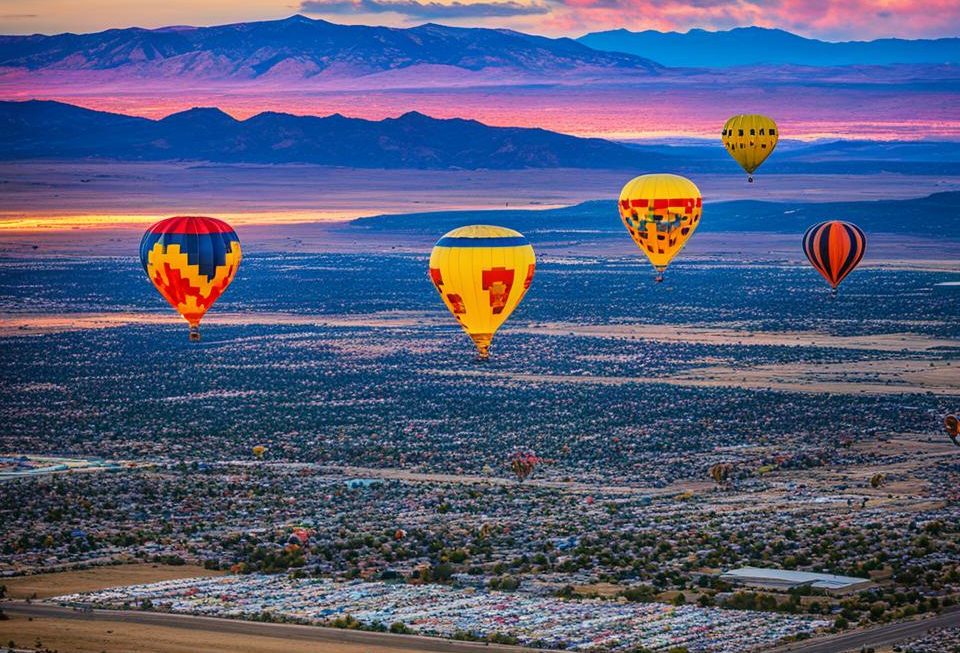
[(783, 579)]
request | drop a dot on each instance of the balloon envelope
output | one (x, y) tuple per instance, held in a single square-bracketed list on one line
[(482, 273), (191, 261), (834, 249), (749, 139), (661, 212), (952, 425)]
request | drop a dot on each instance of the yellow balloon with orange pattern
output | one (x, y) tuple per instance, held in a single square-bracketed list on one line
[(660, 212), (482, 273)]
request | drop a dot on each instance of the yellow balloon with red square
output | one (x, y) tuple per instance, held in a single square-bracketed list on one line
[(482, 273)]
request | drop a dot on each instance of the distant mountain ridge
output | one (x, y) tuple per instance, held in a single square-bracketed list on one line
[(44, 129), (302, 48), (750, 46), (597, 219)]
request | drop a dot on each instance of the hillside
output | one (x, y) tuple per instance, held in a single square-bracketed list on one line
[(744, 46), (36, 129)]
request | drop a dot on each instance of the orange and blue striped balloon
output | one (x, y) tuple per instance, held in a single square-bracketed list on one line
[(834, 248), (191, 260)]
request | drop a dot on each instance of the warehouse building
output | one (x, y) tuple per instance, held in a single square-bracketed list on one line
[(783, 579)]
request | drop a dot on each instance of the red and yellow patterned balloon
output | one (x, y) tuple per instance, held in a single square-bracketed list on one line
[(660, 212), (482, 273), (191, 261)]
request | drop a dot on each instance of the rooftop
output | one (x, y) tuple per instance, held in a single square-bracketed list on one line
[(784, 576)]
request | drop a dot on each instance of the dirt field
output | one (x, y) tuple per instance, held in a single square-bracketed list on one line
[(97, 578), (731, 336), (120, 637), (34, 324), (898, 377)]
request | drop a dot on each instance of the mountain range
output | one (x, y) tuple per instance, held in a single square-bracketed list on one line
[(303, 48), (749, 46), (45, 129)]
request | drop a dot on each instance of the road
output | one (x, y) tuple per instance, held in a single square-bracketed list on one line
[(880, 635), (887, 634), (285, 631)]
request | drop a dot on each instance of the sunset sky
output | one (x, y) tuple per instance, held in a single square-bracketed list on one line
[(826, 19)]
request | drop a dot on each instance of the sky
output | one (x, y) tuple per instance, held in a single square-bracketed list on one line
[(826, 19)]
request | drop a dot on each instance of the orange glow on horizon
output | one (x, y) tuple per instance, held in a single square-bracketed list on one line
[(687, 116), (41, 223)]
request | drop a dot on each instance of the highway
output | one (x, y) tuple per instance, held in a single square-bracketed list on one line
[(880, 635)]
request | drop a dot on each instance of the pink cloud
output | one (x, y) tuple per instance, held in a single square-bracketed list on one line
[(829, 19)]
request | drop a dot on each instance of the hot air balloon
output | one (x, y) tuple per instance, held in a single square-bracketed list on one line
[(482, 274), (750, 138), (299, 536), (522, 464), (191, 261), (834, 248), (661, 212), (952, 425), (258, 451), (720, 472)]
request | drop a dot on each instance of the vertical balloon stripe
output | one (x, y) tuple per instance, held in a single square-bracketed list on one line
[(857, 250)]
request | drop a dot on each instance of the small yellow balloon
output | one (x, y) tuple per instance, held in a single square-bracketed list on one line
[(482, 273), (661, 212), (749, 139)]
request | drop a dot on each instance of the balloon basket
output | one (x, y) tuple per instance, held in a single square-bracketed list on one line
[(749, 180), (194, 334), (482, 342)]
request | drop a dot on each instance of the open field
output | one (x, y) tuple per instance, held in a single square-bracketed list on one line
[(52, 195), (871, 378), (87, 580), (891, 376), (137, 632)]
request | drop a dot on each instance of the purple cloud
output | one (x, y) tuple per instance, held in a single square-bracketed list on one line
[(424, 10)]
